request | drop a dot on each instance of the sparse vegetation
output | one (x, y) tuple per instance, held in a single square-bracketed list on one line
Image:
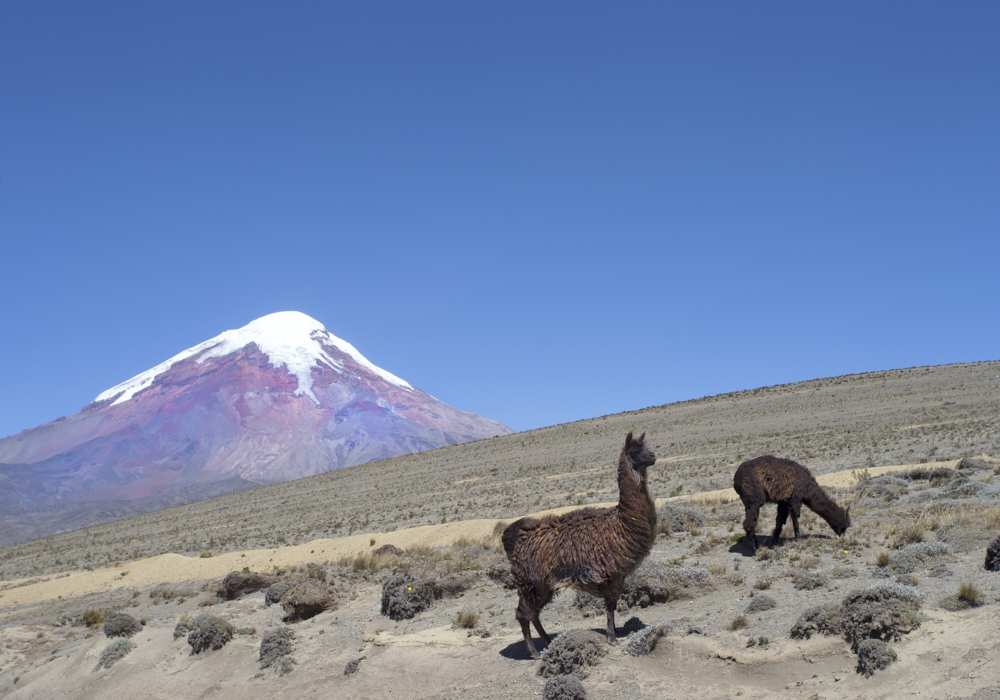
[(119, 624), (564, 688), (643, 641), (761, 603), (94, 617), (114, 652), (969, 592), (208, 631), (275, 646), (883, 611), (874, 655), (403, 596), (466, 619), (881, 558), (823, 619), (739, 622), (571, 653)]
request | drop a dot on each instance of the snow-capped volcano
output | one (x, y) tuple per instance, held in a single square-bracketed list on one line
[(288, 338), (277, 399)]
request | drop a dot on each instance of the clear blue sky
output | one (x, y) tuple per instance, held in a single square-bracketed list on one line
[(539, 212)]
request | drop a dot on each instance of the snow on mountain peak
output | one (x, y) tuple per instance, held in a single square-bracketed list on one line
[(288, 338)]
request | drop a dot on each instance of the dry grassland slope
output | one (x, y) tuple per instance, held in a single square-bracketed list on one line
[(851, 422)]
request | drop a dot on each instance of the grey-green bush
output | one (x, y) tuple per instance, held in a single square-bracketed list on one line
[(674, 518), (760, 604), (403, 596), (883, 611), (275, 591), (820, 619), (121, 624), (564, 688), (114, 652), (571, 652), (642, 642), (208, 632), (275, 645), (874, 655)]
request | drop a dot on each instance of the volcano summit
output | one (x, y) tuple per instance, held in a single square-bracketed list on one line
[(279, 399)]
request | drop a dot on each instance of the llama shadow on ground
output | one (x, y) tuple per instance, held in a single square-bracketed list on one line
[(519, 652), (742, 547), (633, 624), (765, 542)]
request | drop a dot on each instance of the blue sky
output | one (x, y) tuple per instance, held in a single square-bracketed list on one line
[(539, 212)]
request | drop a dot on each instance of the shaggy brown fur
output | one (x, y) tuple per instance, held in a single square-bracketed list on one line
[(774, 480), (592, 550)]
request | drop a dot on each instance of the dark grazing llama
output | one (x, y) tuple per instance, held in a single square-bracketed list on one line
[(591, 550), (774, 480)]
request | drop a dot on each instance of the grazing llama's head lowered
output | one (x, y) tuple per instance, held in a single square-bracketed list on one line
[(592, 549)]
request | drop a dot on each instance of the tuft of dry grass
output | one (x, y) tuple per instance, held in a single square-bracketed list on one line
[(881, 558), (805, 563), (765, 554), (910, 533), (969, 592), (718, 568), (466, 619), (92, 617), (369, 562), (739, 622), (763, 583)]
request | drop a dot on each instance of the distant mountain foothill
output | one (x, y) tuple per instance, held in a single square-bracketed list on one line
[(279, 399)]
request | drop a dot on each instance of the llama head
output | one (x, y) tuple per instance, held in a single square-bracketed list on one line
[(840, 525), (636, 455)]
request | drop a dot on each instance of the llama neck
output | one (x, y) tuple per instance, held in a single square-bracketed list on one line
[(826, 508), (636, 514)]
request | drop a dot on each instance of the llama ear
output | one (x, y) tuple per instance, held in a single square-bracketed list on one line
[(628, 440), (642, 438)]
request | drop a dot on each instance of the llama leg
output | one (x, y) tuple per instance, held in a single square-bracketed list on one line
[(610, 604), (541, 632), (750, 526), (544, 598), (779, 523), (524, 614), (796, 508), (526, 631)]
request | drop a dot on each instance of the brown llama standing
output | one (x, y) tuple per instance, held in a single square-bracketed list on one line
[(591, 550), (774, 480)]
